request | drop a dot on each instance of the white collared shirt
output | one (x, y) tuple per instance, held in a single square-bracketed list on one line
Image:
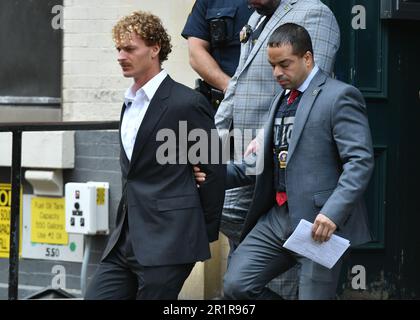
[(136, 107)]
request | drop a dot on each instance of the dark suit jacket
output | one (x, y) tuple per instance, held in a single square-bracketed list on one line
[(329, 164), (170, 220)]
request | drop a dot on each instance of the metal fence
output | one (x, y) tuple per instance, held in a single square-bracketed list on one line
[(16, 167)]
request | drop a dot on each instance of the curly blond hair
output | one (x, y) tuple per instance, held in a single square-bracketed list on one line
[(148, 27)]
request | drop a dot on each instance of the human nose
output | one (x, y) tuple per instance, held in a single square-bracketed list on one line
[(121, 56), (278, 72)]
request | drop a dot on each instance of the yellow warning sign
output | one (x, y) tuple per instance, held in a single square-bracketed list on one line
[(4, 231), (48, 222), (5, 203), (100, 196)]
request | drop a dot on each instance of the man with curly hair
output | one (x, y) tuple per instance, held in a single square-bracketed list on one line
[(164, 222)]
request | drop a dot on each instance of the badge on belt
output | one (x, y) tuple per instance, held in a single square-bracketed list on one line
[(245, 33), (283, 159)]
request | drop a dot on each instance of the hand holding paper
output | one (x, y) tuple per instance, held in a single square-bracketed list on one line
[(326, 253), (323, 228)]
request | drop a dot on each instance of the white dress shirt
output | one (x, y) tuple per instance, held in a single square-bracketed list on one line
[(137, 104)]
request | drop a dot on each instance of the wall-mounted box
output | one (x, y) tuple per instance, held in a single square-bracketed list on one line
[(87, 207)]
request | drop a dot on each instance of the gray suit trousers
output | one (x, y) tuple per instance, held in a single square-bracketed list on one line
[(261, 257)]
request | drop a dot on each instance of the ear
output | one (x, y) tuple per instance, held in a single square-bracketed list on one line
[(155, 51), (309, 58)]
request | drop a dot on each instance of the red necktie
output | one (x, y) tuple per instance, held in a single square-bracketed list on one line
[(281, 197), (292, 96)]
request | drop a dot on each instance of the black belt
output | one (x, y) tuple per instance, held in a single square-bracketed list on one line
[(213, 95)]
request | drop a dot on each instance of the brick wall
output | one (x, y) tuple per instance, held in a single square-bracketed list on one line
[(92, 83)]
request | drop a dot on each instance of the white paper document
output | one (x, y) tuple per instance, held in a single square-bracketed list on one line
[(325, 254)]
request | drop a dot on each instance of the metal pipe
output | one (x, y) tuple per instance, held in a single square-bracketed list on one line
[(15, 215), (85, 263)]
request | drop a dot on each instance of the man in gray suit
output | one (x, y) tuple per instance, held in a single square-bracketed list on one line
[(252, 88), (314, 162)]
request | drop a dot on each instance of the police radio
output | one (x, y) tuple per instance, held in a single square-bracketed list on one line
[(218, 32)]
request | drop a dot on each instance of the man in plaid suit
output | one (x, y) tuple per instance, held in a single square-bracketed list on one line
[(251, 90)]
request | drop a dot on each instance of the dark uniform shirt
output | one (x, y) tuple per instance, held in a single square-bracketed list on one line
[(219, 22)]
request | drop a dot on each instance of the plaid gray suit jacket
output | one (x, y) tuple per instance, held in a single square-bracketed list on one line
[(253, 87)]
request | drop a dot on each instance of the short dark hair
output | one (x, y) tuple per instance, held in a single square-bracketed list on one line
[(292, 34)]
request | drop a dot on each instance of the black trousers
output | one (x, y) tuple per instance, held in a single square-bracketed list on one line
[(120, 277)]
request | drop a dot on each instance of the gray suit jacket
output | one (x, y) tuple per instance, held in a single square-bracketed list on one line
[(329, 165)]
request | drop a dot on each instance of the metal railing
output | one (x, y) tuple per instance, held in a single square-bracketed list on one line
[(16, 167)]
